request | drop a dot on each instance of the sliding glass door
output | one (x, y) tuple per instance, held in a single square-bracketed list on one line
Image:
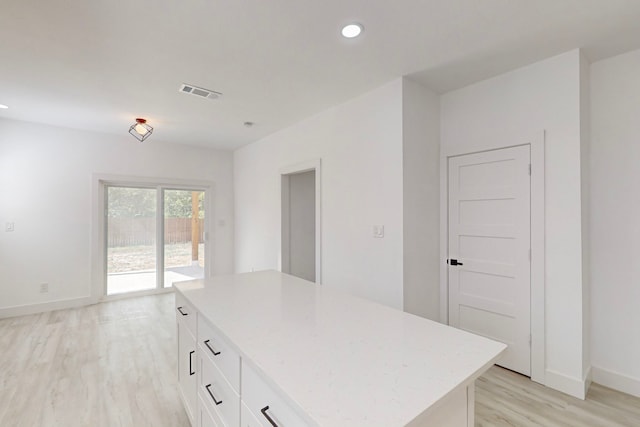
[(183, 235), (154, 236), (131, 239)]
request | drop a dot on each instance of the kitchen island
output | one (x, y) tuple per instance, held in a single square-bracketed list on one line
[(269, 349)]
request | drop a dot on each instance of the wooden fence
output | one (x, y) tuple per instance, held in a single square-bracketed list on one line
[(142, 231)]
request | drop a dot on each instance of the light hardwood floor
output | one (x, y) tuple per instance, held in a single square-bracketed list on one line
[(114, 364), (111, 364), (504, 398)]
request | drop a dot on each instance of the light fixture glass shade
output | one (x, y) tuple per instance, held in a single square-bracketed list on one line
[(140, 129)]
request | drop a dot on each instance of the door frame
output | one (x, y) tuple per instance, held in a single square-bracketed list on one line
[(307, 166), (537, 146), (98, 227)]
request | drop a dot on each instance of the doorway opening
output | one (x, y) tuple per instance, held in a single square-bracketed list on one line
[(153, 236), (300, 221)]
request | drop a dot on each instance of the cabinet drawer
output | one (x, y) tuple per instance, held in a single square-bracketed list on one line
[(186, 313), (218, 393), (264, 402), (206, 417), (247, 419), (219, 352)]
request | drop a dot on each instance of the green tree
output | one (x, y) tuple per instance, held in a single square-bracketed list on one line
[(127, 202), (177, 204)]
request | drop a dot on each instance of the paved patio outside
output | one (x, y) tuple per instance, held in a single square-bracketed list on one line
[(119, 283), (132, 269)]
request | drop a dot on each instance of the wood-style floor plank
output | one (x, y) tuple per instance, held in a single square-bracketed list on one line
[(505, 399), (110, 364), (114, 364)]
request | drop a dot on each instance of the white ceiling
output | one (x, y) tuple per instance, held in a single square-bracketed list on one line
[(99, 64)]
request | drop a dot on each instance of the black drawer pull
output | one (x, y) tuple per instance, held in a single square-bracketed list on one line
[(190, 367), (264, 412), (215, 353), (182, 312), (217, 402)]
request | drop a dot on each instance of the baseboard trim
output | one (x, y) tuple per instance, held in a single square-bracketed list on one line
[(23, 310), (616, 381), (569, 385)]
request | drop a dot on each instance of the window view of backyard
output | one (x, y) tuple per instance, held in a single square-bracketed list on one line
[(133, 258)]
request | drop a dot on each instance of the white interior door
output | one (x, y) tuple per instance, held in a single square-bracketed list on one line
[(489, 239)]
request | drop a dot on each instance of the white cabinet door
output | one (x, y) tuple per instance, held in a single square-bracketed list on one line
[(489, 244), (187, 361)]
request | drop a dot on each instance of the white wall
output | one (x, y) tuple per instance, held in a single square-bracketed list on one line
[(615, 221), (421, 198), (360, 144), (508, 108), (45, 189)]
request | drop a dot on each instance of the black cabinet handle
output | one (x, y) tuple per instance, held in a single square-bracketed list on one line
[(182, 312), (454, 262), (190, 364), (215, 353), (264, 412), (217, 402)]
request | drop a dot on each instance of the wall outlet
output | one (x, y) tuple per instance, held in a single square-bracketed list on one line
[(378, 231), (44, 288), (9, 226)]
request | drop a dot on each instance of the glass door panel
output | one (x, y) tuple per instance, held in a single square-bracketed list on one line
[(184, 216), (131, 239)]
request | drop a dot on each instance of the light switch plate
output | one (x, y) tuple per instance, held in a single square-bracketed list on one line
[(10, 226)]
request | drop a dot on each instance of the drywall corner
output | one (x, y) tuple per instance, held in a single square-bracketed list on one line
[(585, 191), (421, 198)]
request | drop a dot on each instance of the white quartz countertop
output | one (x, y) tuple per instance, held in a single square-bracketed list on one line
[(342, 360)]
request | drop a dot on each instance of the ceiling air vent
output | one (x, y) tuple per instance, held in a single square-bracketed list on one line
[(199, 92)]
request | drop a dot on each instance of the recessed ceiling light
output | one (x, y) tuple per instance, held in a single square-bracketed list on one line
[(3, 106), (352, 30)]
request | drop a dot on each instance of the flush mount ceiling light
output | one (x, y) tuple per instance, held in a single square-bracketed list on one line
[(352, 30), (140, 129), (3, 107)]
